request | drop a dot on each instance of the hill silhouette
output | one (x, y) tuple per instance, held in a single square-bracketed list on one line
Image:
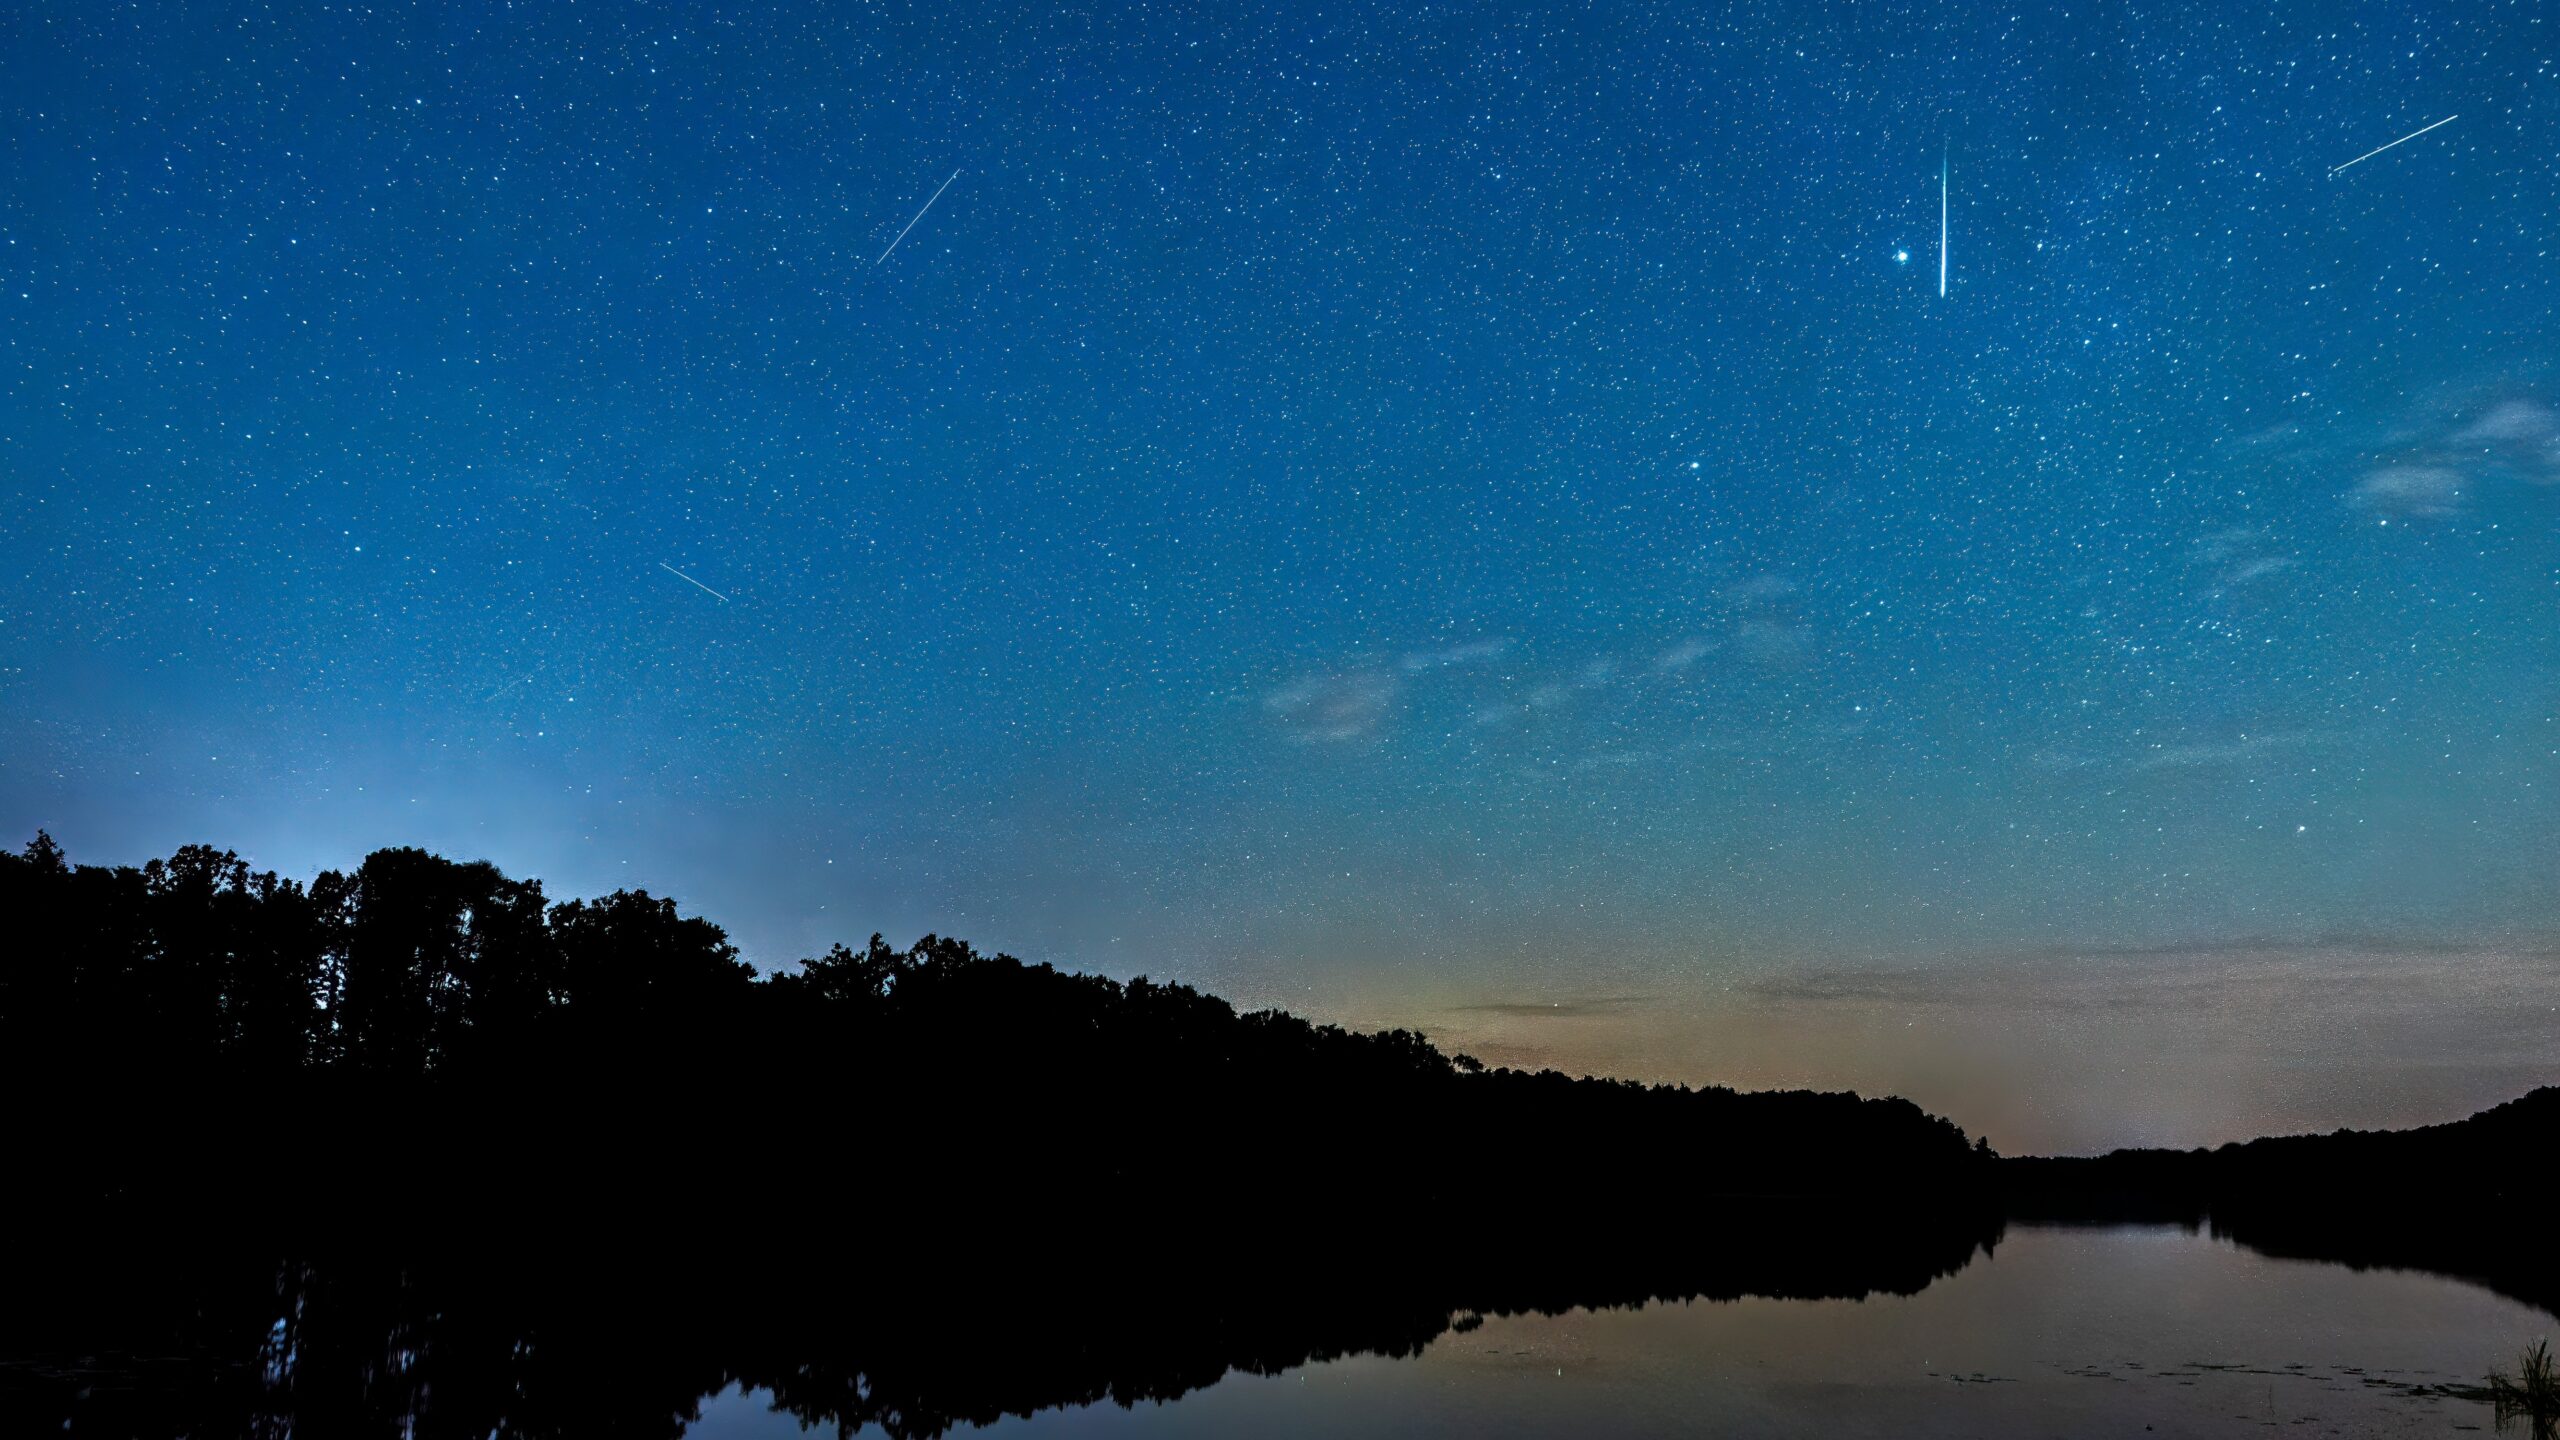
[(2469, 1197)]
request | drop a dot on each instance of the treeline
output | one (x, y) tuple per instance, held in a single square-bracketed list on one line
[(2470, 1198), (2502, 1154), (411, 967), (418, 1024)]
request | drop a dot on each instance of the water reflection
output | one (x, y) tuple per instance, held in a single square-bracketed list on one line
[(538, 1340), (2060, 1333)]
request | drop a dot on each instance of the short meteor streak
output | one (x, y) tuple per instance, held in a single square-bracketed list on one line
[(937, 194), (2403, 140), (510, 685), (696, 584), (1942, 224)]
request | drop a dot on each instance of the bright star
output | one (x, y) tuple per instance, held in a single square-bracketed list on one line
[(1901, 257)]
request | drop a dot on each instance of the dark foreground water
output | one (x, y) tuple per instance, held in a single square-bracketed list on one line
[(2058, 1332), (1771, 1322)]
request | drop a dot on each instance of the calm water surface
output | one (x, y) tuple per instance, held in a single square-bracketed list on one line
[(2063, 1332)]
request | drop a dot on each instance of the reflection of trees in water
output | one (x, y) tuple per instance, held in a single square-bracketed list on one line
[(511, 1341), (519, 1337), (2482, 1244)]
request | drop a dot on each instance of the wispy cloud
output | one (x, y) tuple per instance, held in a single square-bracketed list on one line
[(2215, 547), (2074, 1047), (2259, 568), (1472, 652), (2183, 752), (1776, 641), (2410, 492), (1486, 684), (2100, 974), (1766, 628), (1569, 1008), (1758, 589), (2518, 436), (1613, 760), (1679, 655), (2452, 455), (1333, 708), (2239, 556), (2235, 750)]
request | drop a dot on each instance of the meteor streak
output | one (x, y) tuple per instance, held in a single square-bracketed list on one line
[(1942, 223), (696, 584), (937, 194), (510, 685), (2403, 140)]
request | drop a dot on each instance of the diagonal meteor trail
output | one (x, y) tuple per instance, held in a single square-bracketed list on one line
[(937, 194), (696, 584), (2403, 140), (510, 685)]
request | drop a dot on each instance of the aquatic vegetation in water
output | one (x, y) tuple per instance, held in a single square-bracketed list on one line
[(2531, 1394)]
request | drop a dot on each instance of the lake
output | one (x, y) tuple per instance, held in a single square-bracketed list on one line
[(2059, 1331), (1760, 1321)]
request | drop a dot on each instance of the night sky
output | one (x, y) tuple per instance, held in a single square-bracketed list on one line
[(1469, 516)]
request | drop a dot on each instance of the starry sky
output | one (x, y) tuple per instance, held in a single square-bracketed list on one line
[(1474, 516)]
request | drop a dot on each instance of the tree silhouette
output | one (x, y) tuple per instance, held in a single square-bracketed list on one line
[(420, 1010)]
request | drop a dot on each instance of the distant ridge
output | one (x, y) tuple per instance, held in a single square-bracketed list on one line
[(2469, 1197)]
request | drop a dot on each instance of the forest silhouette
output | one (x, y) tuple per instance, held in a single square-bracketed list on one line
[(2470, 1198), (376, 1038)]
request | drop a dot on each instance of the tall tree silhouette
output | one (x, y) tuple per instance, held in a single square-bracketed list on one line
[(439, 963)]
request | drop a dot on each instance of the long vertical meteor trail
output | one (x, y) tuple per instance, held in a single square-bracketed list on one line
[(1942, 224)]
